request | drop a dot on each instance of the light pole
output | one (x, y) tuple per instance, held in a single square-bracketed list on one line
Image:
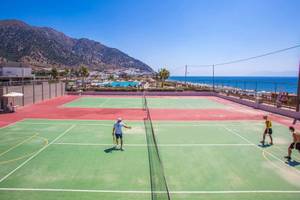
[(213, 70), (298, 93), (298, 90), (185, 74)]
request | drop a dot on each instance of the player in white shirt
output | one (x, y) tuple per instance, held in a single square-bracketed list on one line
[(118, 132)]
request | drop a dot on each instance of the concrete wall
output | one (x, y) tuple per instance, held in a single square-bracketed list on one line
[(46, 91), (28, 94), (52, 90), (38, 93), (33, 93), (285, 112)]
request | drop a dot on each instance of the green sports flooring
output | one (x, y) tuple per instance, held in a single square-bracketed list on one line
[(136, 102), (68, 159)]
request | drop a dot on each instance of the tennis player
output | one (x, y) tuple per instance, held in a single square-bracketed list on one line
[(295, 144), (268, 130), (118, 132)]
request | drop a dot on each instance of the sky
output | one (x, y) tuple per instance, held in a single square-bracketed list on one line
[(175, 33)]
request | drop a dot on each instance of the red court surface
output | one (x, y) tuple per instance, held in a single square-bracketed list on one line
[(52, 109)]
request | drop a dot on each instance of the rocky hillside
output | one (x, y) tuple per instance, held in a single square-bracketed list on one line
[(46, 47)]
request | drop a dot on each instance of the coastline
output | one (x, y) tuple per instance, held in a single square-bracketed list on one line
[(247, 83)]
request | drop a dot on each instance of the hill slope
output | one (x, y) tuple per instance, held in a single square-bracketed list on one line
[(46, 47)]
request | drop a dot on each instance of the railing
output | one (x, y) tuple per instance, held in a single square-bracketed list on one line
[(279, 94)]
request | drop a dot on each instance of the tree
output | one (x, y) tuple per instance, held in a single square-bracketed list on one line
[(75, 73), (66, 72), (156, 78), (54, 73), (111, 77), (84, 73), (163, 75)]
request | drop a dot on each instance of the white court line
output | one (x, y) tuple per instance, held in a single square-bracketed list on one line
[(272, 155), (45, 123), (37, 153), (155, 124), (144, 145), (104, 102), (18, 144), (148, 191), (11, 124)]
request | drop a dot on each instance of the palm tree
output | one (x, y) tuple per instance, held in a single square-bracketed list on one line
[(76, 73), (111, 77), (84, 73), (163, 75), (66, 73), (54, 73), (156, 78)]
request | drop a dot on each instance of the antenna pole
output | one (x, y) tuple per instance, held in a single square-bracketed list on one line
[(213, 78), (185, 74), (298, 94)]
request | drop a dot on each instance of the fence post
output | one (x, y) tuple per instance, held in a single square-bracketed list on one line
[(55, 89), (256, 95), (23, 97), (62, 88), (49, 84), (33, 92), (275, 95), (42, 91), (256, 86)]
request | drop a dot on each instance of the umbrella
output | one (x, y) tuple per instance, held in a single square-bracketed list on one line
[(14, 94)]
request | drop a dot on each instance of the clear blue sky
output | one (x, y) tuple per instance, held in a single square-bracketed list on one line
[(173, 33)]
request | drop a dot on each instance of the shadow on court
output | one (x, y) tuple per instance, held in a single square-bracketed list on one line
[(111, 150), (293, 163), (264, 145)]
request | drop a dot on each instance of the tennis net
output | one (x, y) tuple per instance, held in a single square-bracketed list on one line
[(159, 187)]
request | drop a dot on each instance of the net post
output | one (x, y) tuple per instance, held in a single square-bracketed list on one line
[(159, 187)]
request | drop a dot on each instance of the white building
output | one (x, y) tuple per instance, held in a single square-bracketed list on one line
[(15, 69)]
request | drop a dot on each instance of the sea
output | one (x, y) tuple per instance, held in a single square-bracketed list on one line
[(255, 83)]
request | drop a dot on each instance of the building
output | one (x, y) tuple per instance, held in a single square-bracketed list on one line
[(15, 70)]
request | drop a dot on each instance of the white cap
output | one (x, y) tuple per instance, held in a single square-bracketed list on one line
[(119, 119)]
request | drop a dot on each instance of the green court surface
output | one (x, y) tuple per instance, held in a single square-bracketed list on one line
[(166, 103), (68, 159)]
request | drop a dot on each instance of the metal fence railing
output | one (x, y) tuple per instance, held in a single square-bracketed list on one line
[(280, 94)]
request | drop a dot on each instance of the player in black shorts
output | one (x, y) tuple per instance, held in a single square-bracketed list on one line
[(295, 144), (268, 131)]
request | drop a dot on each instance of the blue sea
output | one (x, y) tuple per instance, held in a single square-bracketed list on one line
[(259, 83)]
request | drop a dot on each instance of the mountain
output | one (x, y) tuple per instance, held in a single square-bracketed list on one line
[(43, 47)]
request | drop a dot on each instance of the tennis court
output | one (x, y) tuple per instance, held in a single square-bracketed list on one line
[(136, 102), (74, 159)]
